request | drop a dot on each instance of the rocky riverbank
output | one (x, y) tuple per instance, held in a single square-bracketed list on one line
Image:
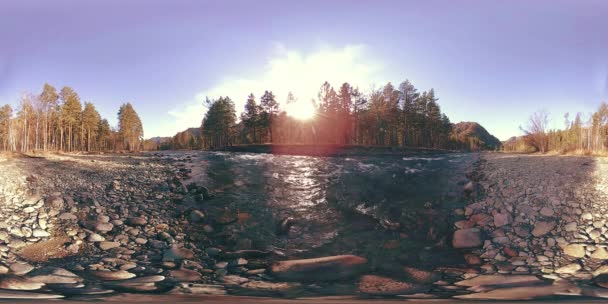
[(92, 226)]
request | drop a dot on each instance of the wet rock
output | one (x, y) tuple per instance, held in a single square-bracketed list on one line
[(467, 238), (320, 269), (472, 259), (196, 216), (263, 288), (52, 275), (140, 284), (543, 227), (234, 280), (383, 286)]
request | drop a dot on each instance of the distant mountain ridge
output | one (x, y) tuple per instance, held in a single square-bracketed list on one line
[(475, 136)]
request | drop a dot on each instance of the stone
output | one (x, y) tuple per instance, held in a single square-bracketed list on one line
[(467, 238), (140, 284), (137, 221), (523, 292), (498, 279), (21, 268), (472, 259), (234, 280), (547, 211), (185, 275), (24, 295), (420, 276), (94, 237), (66, 216), (600, 270), (600, 254), (40, 233), (587, 216), (574, 250), (54, 275), (568, 269), (196, 216), (19, 283), (320, 269), (111, 275), (108, 245), (383, 286), (571, 227), (103, 227), (176, 254), (264, 288), (501, 219), (543, 227)]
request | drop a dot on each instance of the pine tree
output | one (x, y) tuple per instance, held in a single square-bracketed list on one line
[(130, 127)]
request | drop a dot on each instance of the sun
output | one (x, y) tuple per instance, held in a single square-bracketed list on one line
[(301, 110)]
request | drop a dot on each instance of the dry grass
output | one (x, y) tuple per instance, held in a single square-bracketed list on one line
[(45, 250)]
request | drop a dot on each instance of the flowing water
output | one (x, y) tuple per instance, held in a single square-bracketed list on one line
[(384, 208)]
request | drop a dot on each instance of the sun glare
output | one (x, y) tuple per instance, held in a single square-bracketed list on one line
[(301, 110)]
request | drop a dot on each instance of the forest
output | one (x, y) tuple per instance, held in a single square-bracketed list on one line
[(386, 116), (58, 121), (580, 135)]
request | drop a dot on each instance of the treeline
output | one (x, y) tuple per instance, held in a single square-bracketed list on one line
[(579, 135), (386, 116), (58, 121)]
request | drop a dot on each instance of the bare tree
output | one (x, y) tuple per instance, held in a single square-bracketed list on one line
[(536, 131)]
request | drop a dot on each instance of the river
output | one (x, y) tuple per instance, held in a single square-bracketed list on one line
[(395, 208)]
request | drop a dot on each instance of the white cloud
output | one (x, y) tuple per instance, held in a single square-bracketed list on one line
[(289, 70)]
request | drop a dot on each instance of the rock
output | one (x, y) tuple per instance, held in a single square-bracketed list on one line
[(3, 269), (140, 284), (472, 259), (94, 237), (600, 270), (575, 250), (185, 275), (103, 227), (196, 216), (498, 279), (587, 216), (9, 294), (568, 269), (546, 211), (111, 275), (420, 276), (108, 245), (543, 227), (467, 238), (602, 280), (600, 254), (66, 216), (570, 227), (176, 254), (468, 188), (234, 280), (383, 286), (40, 233), (501, 219), (263, 288), (55, 203), (21, 268), (137, 221), (523, 293), (53, 275), (523, 230), (19, 283), (320, 269)]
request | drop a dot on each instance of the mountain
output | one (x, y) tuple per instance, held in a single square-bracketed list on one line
[(474, 136), (159, 139)]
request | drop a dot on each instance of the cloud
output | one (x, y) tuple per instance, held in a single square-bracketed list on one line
[(289, 70)]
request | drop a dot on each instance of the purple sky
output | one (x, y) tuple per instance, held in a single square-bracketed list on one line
[(494, 62)]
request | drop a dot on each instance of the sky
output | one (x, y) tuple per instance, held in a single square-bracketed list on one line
[(490, 61)]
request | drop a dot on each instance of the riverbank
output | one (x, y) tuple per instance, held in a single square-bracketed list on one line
[(95, 227)]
